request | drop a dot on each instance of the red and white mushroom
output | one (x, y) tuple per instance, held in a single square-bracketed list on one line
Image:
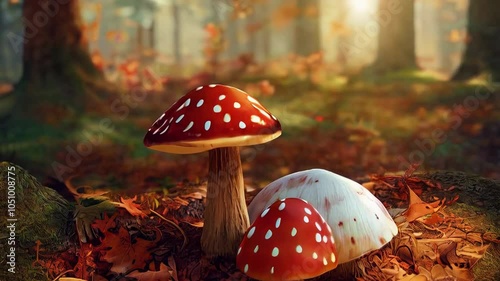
[(289, 240), (220, 119), (359, 221)]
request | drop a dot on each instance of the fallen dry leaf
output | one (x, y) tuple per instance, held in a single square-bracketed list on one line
[(434, 219), (131, 207), (161, 275), (418, 208), (125, 253)]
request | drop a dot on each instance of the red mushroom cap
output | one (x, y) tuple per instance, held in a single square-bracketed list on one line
[(212, 116), (290, 240)]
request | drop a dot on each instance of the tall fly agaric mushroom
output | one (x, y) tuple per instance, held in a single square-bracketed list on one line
[(289, 240), (219, 119), (359, 221)]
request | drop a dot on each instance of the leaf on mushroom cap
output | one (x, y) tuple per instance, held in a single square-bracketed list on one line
[(212, 116), (359, 221), (288, 241)]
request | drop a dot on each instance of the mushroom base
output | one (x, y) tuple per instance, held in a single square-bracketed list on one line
[(226, 215)]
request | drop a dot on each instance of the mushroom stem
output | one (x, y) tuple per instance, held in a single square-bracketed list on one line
[(226, 214)]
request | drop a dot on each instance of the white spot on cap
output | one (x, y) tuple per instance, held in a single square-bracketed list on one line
[(212, 85), (331, 239), (199, 88), (179, 118), (332, 258), (318, 226), (275, 252), (207, 125), (274, 117), (171, 119), (227, 117), (262, 111), (255, 119), (242, 125), (149, 129), (307, 211), (281, 206), (187, 102), (294, 232), (239, 250), (272, 269), (188, 126), (264, 213), (318, 237), (159, 118), (180, 107), (252, 100), (162, 132), (251, 232), (245, 269), (217, 108), (315, 256), (306, 219), (256, 249), (236, 104), (298, 249), (325, 239), (325, 262), (278, 222), (269, 234), (221, 97), (200, 103), (160, 127)]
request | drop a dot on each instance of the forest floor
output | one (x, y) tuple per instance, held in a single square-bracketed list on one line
[(362, 129)]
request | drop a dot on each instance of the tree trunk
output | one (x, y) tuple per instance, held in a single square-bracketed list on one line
[(151, 35), (57, 68), (396, 40), (446, 48), (250, 20), (307, 28), (342, 37), (177, 33), (233, 45), (482, 51)]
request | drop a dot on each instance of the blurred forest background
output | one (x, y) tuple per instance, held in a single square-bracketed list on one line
[(360, 86)]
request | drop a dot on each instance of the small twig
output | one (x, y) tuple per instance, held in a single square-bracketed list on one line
[(174, 224), (37, 249), (62, 274)]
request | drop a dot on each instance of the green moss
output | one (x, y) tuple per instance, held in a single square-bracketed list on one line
[(42, 215)]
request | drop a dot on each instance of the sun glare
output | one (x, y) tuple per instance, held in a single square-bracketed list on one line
[(360, 6)]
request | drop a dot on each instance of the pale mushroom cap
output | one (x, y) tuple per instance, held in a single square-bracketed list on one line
[(359, 221), (209, 117)]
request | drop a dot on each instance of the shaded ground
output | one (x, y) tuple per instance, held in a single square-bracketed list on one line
[(156, 235), (355, 129)]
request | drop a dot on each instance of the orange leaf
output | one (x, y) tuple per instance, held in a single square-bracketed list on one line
[(160, 275), (414, 199), (433, 219), (124, 253), (105, 223), (131, 207), (418, 208)]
